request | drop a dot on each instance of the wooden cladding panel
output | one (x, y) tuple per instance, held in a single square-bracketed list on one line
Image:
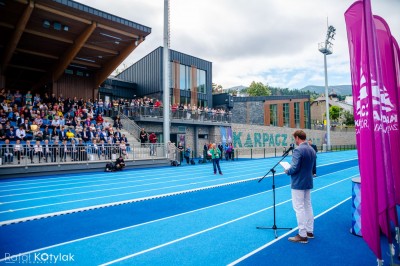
[(177, 89), (75, 86), (193, 89)]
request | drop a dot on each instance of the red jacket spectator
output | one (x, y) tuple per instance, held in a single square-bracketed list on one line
[(99, 119), (153, 138)]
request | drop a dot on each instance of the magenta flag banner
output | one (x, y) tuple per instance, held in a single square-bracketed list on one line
[(396, 51), (375, 117), (389, 59)]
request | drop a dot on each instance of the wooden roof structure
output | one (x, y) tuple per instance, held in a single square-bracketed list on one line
[(41, 40)]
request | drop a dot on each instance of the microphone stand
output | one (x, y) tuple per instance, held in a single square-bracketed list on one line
[(272, 170)]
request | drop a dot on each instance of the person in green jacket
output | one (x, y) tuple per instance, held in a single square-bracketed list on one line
[(215, 156)]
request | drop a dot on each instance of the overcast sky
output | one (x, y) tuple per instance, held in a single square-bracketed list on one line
[(270, 41)]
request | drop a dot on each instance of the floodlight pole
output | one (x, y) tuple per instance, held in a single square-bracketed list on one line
[(166, 79), (326, 49), (328, 120)]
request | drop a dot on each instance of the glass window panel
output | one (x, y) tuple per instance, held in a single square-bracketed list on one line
[(286, 115), (273, 115), (297, 115), (307, 115), (182, 77)]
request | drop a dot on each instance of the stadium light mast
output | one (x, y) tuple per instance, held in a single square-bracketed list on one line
[(166, 122), (326, 49)]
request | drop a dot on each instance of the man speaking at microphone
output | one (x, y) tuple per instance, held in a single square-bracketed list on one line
[(301, 183)]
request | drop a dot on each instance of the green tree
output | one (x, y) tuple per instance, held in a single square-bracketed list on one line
[(348, 118), (258, 89), (216, 88), (334, 112)]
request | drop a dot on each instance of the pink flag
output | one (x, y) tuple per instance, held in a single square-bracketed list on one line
[(372, 107), (389, 59)]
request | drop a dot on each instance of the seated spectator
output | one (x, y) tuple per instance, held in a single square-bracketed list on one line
[(64, 150), (11, 134), (20, 133), (123, 152), (99, 119), (119, 163), (38, 150), (117, 122), (29, 150), (70, 135), (82, 153), (62, 134), (2, 133), (7, 151), (55, 123), (95, 148), (54, 135), (46, 133), (18, 150)]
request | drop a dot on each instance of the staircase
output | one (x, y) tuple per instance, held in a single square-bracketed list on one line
[(132, 131)]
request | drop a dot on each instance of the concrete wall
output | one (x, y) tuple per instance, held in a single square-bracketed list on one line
[(267, 136), (250, 136)]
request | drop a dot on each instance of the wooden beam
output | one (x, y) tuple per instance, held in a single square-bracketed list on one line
[(28, 68), (16, 36), (72, 51), (80, 62), (36, 53), (63, 14), (114, 63), (101, 49), (48, 36), (60, 39), (6, 25), (122, 32), (83, 20)]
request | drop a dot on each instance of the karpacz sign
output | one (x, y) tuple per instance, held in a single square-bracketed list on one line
[(261, 140)]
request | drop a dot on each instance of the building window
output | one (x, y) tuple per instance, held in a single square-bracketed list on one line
[(297, 115), (201, 81), (182, 77), (307, 115), (286, 115), (273, 115)]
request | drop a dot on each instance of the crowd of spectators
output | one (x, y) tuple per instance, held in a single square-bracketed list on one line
[(147, 106), (50, 121)]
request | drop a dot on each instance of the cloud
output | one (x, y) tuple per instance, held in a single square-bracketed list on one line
[(269, 41)]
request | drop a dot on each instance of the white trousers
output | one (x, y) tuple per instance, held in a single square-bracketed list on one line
[(301, 200)]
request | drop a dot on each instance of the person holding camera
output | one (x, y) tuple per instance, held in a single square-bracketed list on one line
[(119, 163)]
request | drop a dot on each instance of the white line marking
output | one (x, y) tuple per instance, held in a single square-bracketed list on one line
[(162, 219), (279, 238)]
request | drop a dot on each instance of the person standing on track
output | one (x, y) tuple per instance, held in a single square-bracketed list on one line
[(301, 183), (215, 157)]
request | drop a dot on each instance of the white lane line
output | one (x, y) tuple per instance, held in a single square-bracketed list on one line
[(126, 179), (210, 229), (119, 202), (123, 194), (125, 187), (158, 220), (91, 207), (284, 235), (133, 226), (47, 181)]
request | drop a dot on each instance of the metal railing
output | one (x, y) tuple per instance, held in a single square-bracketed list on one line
[(81, 153), (196, 115), (130, 126), (267, 152)]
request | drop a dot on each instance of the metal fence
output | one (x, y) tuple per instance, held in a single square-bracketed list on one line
[(256, 153), (157, 112), (24, 155)]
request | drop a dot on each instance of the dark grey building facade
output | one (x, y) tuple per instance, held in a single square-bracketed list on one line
[(191, 77)]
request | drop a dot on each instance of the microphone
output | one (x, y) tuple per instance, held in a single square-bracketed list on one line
[(288, 150)]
